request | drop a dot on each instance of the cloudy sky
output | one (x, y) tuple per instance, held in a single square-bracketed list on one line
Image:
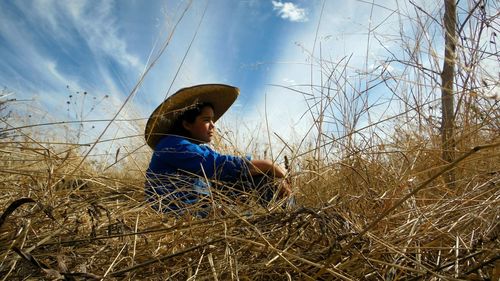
[(83, 59)]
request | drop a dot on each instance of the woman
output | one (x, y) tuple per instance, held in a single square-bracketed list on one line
[(183, 170)]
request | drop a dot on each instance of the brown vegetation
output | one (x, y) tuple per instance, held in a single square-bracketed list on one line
[(381, 211)]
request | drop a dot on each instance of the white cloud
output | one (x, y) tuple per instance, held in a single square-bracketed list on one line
[(98, 24), (62, 23), (32, 63), (288, 10)]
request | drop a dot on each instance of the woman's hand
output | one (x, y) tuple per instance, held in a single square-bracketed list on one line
[(267, 167), (285, 189)]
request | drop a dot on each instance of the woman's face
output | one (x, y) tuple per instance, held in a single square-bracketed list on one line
[(203, 127)]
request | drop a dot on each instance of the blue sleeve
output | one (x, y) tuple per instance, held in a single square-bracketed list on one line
[(203, 161)]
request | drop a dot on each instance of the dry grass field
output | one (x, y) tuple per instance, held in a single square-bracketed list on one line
[(379, 210)]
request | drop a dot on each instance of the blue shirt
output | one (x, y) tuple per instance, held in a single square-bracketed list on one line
[(179, 169)]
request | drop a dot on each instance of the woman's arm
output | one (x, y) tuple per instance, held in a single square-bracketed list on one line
[(267, 167)]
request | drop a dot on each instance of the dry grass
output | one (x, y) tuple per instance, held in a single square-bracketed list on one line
[(380, 213)]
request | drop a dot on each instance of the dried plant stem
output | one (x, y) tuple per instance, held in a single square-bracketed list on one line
[(163, 258)]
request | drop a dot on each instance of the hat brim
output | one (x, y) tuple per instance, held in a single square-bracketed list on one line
[(159, 124)]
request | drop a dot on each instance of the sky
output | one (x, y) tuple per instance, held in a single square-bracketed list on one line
[(88, 59)]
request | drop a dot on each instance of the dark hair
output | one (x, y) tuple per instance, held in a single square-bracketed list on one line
[(188, 115)]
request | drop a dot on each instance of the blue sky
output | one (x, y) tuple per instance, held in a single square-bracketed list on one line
[(102, 47), (52, 50)]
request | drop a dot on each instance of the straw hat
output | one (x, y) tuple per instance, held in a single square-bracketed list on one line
[(163, 117)]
